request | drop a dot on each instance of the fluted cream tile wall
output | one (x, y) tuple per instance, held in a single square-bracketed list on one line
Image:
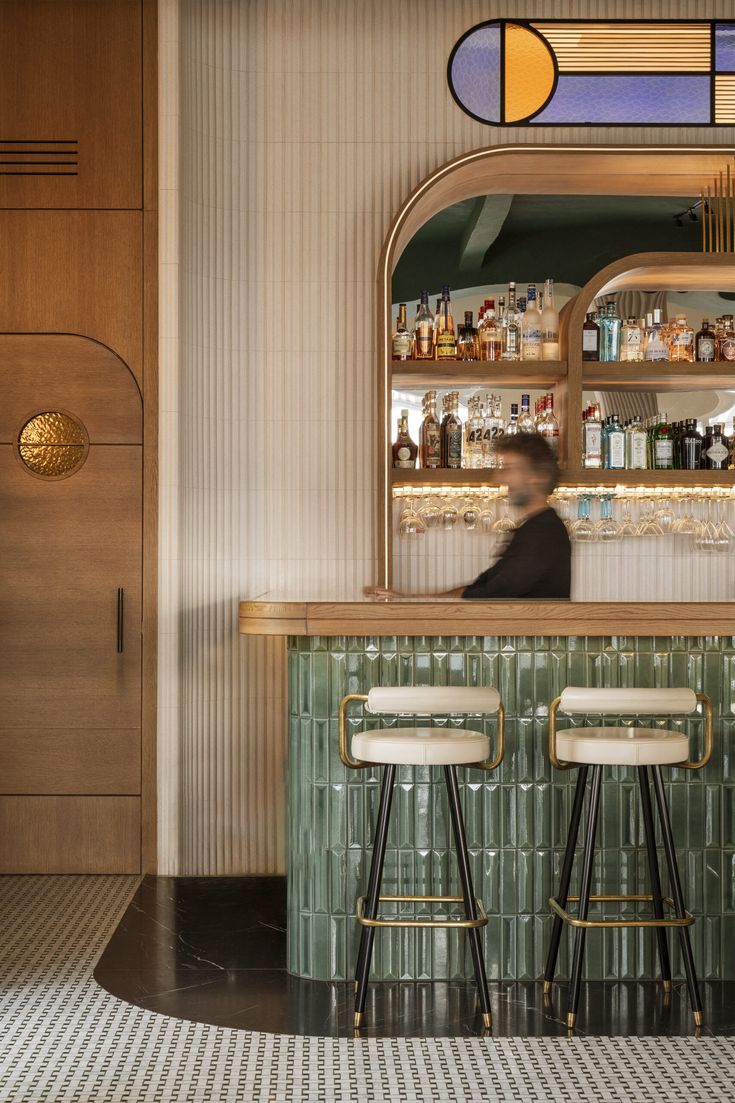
[(292, 130)]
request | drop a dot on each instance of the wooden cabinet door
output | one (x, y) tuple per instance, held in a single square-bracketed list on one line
[(70, 650)]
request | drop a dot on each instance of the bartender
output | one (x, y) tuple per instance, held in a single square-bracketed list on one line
[(537, 561)]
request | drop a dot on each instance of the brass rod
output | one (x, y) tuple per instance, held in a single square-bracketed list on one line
[(728, 240), (710, 247), (704, 228), (720, 226)]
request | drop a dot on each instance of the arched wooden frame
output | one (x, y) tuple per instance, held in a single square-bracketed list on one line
[(518, 169)]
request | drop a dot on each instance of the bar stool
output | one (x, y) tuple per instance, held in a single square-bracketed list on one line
[(447, 747), (643, 748)]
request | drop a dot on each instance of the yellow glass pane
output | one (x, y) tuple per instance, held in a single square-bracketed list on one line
[(51, 460), (529, 73), (52, 427), (52, 444)]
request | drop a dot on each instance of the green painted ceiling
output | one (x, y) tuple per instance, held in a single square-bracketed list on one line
[(567, 237)]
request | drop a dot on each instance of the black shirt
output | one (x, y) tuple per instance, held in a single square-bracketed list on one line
[(536, 563)]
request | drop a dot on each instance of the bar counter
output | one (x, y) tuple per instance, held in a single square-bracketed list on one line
[(517, 817)]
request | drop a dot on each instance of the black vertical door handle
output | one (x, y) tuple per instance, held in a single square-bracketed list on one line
[(120, 600)]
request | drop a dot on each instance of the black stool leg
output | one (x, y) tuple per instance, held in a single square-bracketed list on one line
[(371, 904), (566, 876), (460, 840), (686, 946), (584, 894), (658, 908)]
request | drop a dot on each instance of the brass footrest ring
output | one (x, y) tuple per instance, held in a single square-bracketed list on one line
[(570, 919), (458, 923)]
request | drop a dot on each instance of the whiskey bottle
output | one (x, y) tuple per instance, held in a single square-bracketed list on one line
[(691, 446), (512, 327), (446, 340), (402, 343), (592, 438), (423, 330), (531, 346), (631, 345), (525, 421), (613, 446), (590, 339), (662, 445), (636, 445), (467, 343), (726, 340), (452, 434), (404, 449), (430, 439), (610, 334), (681, 341), (705, 344), (490, 337), (549, 325)]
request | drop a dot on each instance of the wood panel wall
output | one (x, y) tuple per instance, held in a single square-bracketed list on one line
[(292, 133), (78, 255)]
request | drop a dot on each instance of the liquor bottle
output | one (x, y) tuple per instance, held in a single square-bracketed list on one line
[(592, 438), (499, 426), (705, 344), (445, 345), (636, 445), (404, 449), (473, 435), (681, 341), (430, 455), (691, 446), (525, 421), (614, 444), (655, 345), (488, 434), (662, 444), (490, 336), (631, 344), (610, 334), (549, 324), (531, 346), (590, 339), (548, 425), (452, 435), (402, 343), (511, 327), (717, 453), (726, 340), (467, 344), (423, 330)]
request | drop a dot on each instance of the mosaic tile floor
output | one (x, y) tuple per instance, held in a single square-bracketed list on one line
[(66, 1040)]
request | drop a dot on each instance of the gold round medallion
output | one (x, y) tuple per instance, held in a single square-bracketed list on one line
[(52, 444)]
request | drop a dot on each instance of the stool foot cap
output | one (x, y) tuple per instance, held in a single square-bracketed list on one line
[(487, 1019), (358, 1018), (667, 985), (571, 1019), (698, 1017), (547, 986)]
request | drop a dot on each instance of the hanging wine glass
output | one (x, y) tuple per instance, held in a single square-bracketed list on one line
[(431, 513), (627, 526), (450, 516), (665, 517), (583, 528), (470, 514), (607, 528), (647, 523), (486, 520), (409, 522)]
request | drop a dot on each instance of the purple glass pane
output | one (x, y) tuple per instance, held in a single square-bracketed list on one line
[(644, 98), (725, 47), (475, 73)]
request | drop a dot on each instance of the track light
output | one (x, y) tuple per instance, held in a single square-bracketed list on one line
[(693, 215)]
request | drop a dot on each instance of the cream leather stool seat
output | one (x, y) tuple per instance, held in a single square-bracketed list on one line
[(421, 746), (622, 746), (444, 746)]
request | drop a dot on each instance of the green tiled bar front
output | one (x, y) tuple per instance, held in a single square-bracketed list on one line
[(516, 817)]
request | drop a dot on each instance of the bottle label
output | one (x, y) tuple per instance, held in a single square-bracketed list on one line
[(683, 337), (727, 348), (706, 348), (454, 448), (592, 443), (403, 458), (424, 339), (637, 451), (532, 344), (589, 340), (717, 453), (402, 345), (446, 346), (432, 447), (663, 453), (616, 451)]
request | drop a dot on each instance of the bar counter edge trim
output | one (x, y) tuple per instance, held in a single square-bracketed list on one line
[(479, 618)]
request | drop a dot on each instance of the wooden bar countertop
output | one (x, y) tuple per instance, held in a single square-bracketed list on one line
[(452, 617)]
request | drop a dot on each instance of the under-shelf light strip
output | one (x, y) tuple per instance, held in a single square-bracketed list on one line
[(720, 493)]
